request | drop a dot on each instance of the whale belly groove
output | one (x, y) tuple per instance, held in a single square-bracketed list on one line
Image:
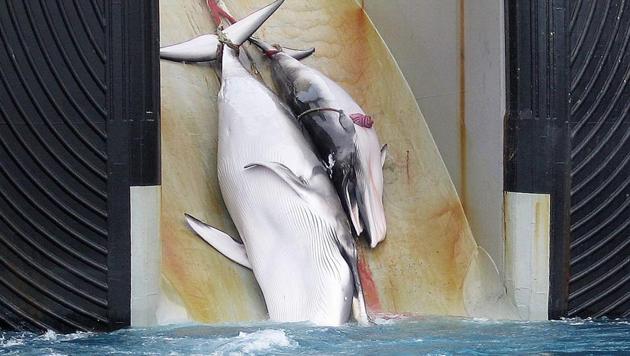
[(290, 243)]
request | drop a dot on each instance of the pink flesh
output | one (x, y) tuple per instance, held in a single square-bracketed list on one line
[(362, 120), (218, 13), (271, 52)]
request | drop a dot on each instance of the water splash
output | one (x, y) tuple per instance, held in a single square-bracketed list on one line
[(392, 334), (257, 342)]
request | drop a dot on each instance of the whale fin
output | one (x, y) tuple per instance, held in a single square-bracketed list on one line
[(298, 54), (204, 48), (384, 151), (298, 184), (359, 311), (351, 203), (348, 249), (199, 49), (239, 32), (221, 241), (270, 50)]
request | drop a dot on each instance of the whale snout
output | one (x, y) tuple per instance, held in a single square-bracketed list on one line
[(369, 185), (370, 205), (373, 216)]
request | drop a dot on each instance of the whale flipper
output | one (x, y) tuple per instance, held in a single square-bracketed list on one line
[(204, 49), (221, 241), (345, 242), (199, 49), (268, 49), (350, 201), (384, 151), (298, 54), (298, 184), (348, 250)]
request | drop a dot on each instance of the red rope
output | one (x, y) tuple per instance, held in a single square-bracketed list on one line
[(218, 13)]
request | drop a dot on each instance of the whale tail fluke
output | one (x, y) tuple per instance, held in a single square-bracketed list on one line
[(221, 241), (239, 32), (270, 50), (199, 49), (298, 54), (204, 48), (349, 252)]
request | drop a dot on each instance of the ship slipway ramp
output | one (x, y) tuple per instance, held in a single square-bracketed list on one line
[(103, 148)]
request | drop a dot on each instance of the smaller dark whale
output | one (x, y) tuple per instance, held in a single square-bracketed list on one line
[(343, 136)]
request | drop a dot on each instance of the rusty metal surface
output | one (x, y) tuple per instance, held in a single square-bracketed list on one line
[(422, 265)]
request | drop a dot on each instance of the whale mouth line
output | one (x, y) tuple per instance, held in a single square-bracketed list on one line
[(350, 202), (358, 119), (314, 110)]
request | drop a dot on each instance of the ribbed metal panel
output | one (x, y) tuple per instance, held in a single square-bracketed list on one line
[(77, 103), (53, 165), (537, 154), (600, 154)]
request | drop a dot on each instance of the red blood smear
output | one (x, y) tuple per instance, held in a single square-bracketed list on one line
[(369, 287), (217, 12)]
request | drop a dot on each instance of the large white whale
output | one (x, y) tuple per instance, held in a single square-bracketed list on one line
[(296, 237)]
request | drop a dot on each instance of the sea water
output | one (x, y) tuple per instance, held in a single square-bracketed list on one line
[(430, 335)]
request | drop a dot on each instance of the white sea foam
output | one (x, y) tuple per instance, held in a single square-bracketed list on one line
[(481, 319), (50, 335), (77, 335), (387, 319), (12, 341), (383, 321), (261, 340), (266, 339)]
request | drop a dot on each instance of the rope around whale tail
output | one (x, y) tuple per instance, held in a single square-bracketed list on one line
[(222, 18)]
